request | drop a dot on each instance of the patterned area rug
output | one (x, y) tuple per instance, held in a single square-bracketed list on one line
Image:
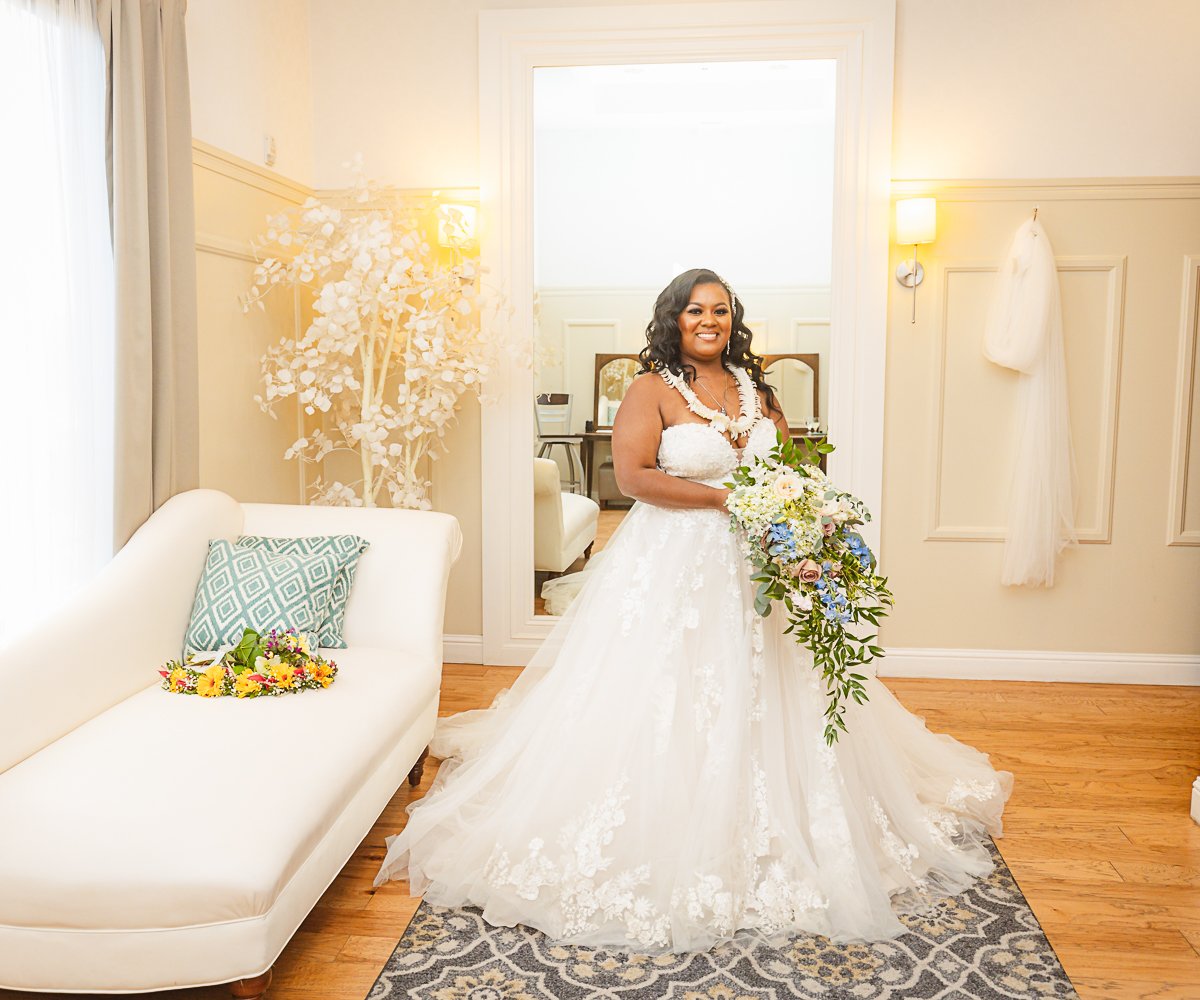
[(984, 944)]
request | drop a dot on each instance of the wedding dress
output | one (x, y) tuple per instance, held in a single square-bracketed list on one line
[(656, 778)]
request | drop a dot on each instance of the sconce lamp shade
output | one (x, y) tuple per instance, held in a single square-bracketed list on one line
[(456, 225), (916, 220)]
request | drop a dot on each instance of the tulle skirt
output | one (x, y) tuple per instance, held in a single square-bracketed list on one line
[(656, 779)]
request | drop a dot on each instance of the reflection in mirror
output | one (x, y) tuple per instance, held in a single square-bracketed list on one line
[(796, 379), (627, 194), (613, 375)]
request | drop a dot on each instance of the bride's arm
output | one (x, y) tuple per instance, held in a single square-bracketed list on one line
[(775, 413), (637, 431)]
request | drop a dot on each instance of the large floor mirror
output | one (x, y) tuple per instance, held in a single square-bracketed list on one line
[(620, 146), (640, 172)]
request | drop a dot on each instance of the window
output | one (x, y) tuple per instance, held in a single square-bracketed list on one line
[(56, 308)]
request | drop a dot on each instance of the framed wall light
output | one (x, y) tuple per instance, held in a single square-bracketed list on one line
[(916, 223), (456, 225)]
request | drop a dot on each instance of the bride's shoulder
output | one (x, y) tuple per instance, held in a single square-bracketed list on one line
[(646, 386), (648, 398)]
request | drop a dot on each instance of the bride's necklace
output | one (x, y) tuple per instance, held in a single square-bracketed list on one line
[(719, 403), (720, 419)]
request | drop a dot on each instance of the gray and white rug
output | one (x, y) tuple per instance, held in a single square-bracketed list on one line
[(984, 944)]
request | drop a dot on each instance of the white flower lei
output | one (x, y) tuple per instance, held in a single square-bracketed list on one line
[(747, 394)]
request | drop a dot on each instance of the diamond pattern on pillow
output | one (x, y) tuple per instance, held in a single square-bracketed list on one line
[(244, 588), (346, 549)]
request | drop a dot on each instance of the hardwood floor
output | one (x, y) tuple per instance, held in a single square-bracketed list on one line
[(1097, 834)]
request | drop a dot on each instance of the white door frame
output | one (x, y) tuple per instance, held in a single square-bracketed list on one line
[(860, 36)]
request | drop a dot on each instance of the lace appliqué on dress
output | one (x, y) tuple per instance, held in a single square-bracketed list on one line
[(581, 896), (961, 790), (895, 848), (707, 700), (943, 828)]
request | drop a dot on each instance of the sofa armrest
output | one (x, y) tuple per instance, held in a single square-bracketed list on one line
[(123, 624)]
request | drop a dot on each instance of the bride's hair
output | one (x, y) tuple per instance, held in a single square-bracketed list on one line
[(662, 333)]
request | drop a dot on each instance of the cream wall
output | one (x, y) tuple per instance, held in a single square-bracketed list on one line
[(241, 448), (1024, 88), (1120, 248), (249, 64), (984, 94)]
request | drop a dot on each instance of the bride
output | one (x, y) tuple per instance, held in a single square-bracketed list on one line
[(656, 778)]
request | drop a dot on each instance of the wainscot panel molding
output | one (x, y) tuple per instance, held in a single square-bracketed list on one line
[(1102, 486), (1041, 665), (1183, 518), (241, 448), (1127, 257)]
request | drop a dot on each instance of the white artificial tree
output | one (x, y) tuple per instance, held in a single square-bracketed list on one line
[(397, 338)]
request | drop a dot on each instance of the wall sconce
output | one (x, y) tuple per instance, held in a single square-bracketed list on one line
[(456, 225), (916, 222)]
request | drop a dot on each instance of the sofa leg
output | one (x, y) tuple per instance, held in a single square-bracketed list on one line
[(587, 553), (250, 989), (414, 776)]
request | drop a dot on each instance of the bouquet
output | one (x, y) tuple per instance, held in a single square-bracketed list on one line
[(280, 662), (800, 530)]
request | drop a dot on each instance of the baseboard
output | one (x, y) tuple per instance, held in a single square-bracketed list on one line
[(1042, 665), (983, 664), (462, 649)]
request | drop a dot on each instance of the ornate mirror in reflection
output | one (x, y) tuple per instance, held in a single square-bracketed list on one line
[(614, 372), (797, 382)]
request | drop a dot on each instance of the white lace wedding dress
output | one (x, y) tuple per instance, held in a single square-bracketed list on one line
[(656, 779)]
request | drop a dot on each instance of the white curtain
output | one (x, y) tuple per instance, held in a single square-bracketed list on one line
[(1024, 332), (56, 314)]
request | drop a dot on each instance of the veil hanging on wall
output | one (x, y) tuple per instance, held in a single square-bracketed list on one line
[(1024, 332)]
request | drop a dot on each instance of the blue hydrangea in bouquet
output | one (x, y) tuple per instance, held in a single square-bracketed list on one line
[(808, 556)]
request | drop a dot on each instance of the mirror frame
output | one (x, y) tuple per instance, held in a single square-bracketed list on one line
[(814, 365), (601, 361), (512, 43)]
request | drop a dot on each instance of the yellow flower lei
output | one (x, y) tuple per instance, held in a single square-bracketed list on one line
[(258, 666)]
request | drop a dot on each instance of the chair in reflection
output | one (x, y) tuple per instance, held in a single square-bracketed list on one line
[(614, 373), (564, 524), (552, 414)]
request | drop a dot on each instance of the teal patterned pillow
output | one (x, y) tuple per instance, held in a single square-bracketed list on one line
[(248, 588), (346, 549)]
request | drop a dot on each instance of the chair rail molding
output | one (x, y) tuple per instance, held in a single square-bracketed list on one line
[(860, 37)]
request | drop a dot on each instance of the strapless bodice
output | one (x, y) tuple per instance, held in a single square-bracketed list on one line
[(700, 452)]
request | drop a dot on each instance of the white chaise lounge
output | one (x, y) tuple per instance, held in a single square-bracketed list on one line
[(150, 840)]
